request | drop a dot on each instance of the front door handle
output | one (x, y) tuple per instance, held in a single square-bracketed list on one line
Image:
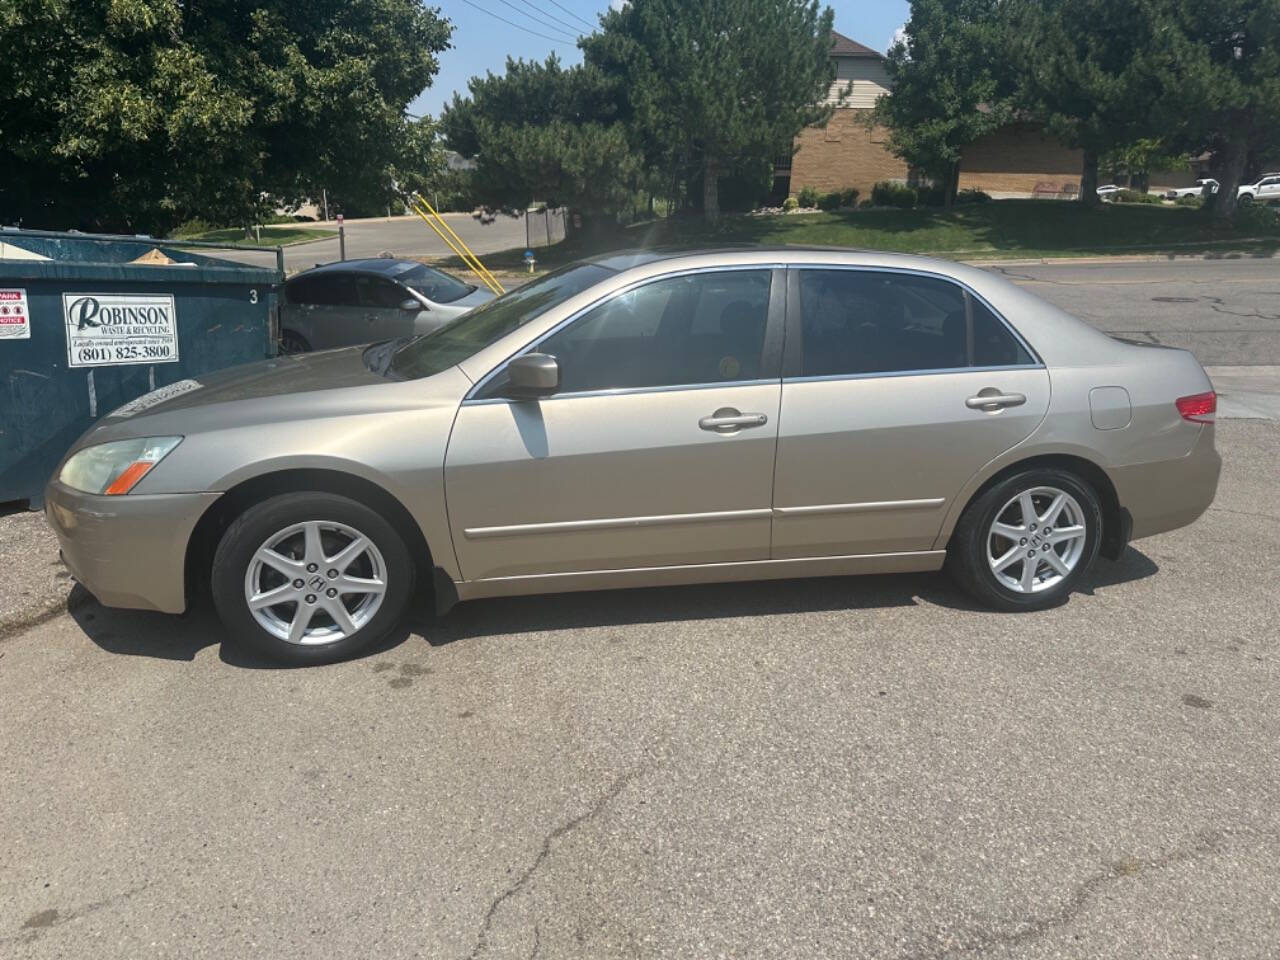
[(729, 420), (990, 400)]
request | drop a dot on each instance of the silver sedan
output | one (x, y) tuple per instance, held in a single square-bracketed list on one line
[(359, 301), (643, 419)]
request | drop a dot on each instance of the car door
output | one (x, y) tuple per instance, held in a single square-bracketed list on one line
[(327, 311), (897, 388), (657, 449), (381, 314), (1269, 189)]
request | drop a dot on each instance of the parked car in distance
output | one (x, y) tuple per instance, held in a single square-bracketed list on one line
[(1265, 190), (647, 419), (1108, 190), (359, 301), (1205, 187)]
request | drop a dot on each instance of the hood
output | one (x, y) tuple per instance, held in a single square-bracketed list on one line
[(298, 373), (473, 299)]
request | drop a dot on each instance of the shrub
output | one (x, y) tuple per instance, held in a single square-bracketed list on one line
[(973, 195), (192, 227), (791, 203), (1255, 216), (865, 204), (1189, 200), (829, 201), (886, 194), (931, 196), (1136, 196), (808, 196)]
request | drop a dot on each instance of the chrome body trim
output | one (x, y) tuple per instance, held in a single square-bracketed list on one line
[(613, 523), (582, 311), (820, 508), (626, 391)]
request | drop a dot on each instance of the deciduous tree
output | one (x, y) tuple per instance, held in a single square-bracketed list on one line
[(133, 114)]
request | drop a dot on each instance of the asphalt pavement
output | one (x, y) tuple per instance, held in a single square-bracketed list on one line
[(406, 237), (859, 767), (1224, 310)]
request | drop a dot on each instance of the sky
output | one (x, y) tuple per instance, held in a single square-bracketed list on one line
[(482, 41)]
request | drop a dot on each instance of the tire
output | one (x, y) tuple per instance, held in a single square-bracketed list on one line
[(339, 550), (979, 548), (291, 343), (1244, 200)]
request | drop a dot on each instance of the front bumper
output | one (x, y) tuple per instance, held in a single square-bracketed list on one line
[(1168, 494), (127, 551)]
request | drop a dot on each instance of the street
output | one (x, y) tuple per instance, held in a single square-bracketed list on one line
[(407, 237), (860, 767)]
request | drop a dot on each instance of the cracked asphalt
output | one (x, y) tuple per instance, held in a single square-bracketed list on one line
[(862, 767)]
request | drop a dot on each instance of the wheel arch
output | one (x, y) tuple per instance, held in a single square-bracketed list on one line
[(238, 498), (1116, 523)]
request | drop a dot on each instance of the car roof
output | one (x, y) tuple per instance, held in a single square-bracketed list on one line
[(627, 259), (385, 266)]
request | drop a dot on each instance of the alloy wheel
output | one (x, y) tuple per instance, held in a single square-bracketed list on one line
[(1036, 540), (315, 582)]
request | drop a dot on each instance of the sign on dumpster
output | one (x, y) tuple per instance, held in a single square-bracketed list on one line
[(110, 329), (15, 316)]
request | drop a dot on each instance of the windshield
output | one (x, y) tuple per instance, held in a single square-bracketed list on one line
[(435, 286), (446, 346)]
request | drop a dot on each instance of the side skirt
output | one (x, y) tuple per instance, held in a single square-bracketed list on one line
[(915, 562)]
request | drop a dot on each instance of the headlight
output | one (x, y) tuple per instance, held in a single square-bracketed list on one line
[(115, 468)]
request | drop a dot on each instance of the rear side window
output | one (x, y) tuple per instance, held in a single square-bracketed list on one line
[(866, 322), (322, 290)]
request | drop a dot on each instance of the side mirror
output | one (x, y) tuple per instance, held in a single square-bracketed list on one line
[(533, 375), (410, 305)]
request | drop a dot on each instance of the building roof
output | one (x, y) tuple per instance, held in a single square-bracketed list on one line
[(842, 46)]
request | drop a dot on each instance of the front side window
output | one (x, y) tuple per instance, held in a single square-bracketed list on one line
[(702, 328), (867, 322), (380, 293), (470, 333), (436, 286)]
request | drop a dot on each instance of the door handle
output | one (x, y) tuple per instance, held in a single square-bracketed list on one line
[(991, 400), (729, 420)]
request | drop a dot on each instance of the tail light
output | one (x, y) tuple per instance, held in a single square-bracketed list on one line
[(1199, 407)]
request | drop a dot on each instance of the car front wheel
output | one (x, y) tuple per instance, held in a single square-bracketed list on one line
[(1025, 543), (308, 578)]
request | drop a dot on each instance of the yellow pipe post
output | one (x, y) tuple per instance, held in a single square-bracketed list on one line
[(458, 251), (483, 270)]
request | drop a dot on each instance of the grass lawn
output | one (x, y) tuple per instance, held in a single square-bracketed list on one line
[(274, 235), (996, 230)]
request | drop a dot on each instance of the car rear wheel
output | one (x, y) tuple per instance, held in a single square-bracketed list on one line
[(1025, 543), (309, 578)]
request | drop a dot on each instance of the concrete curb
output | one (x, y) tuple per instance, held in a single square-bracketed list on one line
[(1119, 258)]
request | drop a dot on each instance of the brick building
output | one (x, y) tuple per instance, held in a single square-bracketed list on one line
[(847, 152)]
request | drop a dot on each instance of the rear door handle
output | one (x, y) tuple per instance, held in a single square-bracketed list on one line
[(729, 420), (991, 400)]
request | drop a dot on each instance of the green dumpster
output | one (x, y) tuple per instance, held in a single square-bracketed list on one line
[(90, 322)]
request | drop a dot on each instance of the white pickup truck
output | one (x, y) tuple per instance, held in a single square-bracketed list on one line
[(1266, 190)]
